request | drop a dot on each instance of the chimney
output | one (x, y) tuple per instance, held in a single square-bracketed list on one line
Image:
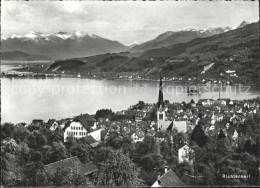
[(165, 169), (158, 175)]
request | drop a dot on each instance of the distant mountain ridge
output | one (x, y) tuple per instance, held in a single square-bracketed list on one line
[(236, 50), (175, 37), (21, 56), (61, 45), (65, 45)]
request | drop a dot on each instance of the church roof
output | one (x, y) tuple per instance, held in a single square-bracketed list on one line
[(181, 126), (164, 125)]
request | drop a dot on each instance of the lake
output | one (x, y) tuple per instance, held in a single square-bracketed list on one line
[(23, 100)]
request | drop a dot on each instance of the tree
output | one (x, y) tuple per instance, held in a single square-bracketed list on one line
[(104, 113), (227, 166), (59, 152), (30, 170), (153, 115), (221, 135), (152, 161), (249, 146), (148, 145), (183, 169), (82, 151), (7, 130), (118, 170), (63, 177), (199, 136), (128, 148)]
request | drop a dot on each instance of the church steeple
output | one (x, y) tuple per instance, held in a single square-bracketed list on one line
[(160, 107), (160, 103)]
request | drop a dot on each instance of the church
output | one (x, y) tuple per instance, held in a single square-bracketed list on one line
[(163, 124)]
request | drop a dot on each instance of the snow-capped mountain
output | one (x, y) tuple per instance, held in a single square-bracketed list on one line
[(175, 37), (131, 45), (61, 45), (242, 24)]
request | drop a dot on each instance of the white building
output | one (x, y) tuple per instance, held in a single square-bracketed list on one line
[(137, 136), (82, 126), (186, 154)]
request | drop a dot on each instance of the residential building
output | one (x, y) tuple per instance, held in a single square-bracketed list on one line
[(82, 126), (137, 136), (168, 179), (69, 165), (186, 154)]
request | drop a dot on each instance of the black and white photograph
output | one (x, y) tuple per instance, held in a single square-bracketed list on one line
[(130, 93)]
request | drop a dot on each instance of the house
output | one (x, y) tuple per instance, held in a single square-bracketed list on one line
[(206, 102), (139, 116), (82, 126), (222, 102), (235, 139), (70, 164), (193, 104), (186, 154), (168, 179), (54, 125), (137, 136)]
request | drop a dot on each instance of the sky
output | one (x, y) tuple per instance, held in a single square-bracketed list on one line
[(125, 21)]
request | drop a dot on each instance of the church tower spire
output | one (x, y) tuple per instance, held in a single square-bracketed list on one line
[(160, 103), (160, 107)]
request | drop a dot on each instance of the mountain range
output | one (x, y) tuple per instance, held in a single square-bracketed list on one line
[(236, 49), (61, 45), (64, 45), (175, 37)]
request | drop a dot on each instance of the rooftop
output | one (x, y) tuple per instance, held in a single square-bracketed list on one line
[(69, 164)]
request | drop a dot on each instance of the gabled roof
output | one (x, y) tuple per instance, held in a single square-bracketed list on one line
[(164, 125), (70, 164), (170, 179), (91, 141), (181, 126), (139, 133), (86, 120)]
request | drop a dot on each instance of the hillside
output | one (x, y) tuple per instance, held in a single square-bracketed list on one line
[(236, 50), (106, 63), (22, 56), (235, 41)]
